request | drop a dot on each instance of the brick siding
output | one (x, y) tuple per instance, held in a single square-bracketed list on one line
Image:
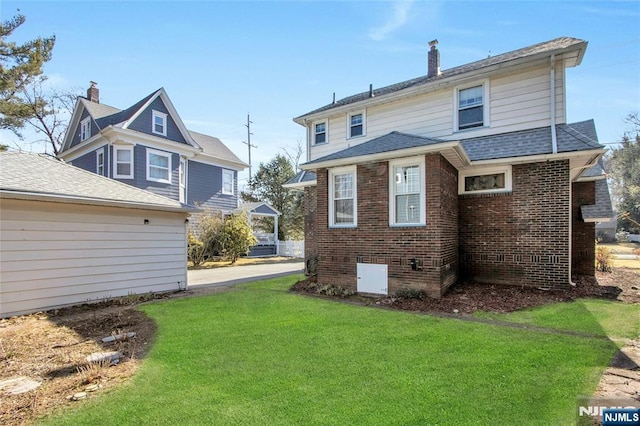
[(521, 237), (583, 233), (435, 245)]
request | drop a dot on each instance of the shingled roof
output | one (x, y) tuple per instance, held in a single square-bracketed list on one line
[(546, 47), (40, 177)]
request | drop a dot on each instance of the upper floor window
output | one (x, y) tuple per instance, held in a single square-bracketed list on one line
[(320, 133), (159, 123), (85, 129), (407, 192), (123, 162), (100, 161), (343, 197), (356, 124), (228, 177), (496, 179), (158, 166), (471, 107)]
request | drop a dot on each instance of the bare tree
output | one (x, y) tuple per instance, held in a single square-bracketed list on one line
[(294, 154), (51, 111)]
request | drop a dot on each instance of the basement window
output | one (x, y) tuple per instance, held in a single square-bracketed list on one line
[(485, 181)]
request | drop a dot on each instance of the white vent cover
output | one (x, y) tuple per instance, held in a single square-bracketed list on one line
[(372, 278)]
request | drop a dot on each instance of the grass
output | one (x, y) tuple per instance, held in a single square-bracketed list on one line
[(260, 355), (599, 317)]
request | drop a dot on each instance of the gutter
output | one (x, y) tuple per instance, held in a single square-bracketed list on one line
[(554, 137)]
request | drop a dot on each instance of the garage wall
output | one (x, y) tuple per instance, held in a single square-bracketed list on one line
[(54, 254)]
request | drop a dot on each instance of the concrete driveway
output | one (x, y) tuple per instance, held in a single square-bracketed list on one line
[(241, 274)]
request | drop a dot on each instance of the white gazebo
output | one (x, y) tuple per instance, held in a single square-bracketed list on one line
[(267, 242)]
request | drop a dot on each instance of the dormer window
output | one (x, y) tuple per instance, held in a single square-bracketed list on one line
[(85, 129), (159, 123)]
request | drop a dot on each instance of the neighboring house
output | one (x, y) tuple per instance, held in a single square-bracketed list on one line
[(68, 236), (148, 146), (470, 173)]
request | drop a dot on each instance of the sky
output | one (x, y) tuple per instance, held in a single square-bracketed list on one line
[(276, 60)]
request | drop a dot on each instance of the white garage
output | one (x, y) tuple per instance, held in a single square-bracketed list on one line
[(68, 236)]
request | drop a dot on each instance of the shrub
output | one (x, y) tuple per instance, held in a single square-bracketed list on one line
[(204, 241), (622, 236), (236, 237), (603, 259), (333, 290), (410, 293)]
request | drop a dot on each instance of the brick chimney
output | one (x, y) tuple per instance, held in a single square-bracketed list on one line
[(93, 94), (433, 60)]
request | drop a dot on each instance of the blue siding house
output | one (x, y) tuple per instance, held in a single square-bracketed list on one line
[(148, 146)]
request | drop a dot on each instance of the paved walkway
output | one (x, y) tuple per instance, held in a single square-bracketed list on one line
[(230, 275)]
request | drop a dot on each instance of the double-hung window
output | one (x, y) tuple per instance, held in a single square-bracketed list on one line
[(471, 107), (343, 197), (356, 124), (85, 129), (159, 123), (158, 166), (407, 192), (123, 162), (320, 133), (100, 161), (228, 177)]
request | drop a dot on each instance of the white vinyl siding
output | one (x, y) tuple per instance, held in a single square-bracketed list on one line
[(158, 166), (123, 162), (159, 123), (57, 254), (227, 182), (343, 197), (407, 192), (517, 101)]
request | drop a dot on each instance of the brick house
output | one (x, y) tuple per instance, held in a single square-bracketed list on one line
[(470, 173)]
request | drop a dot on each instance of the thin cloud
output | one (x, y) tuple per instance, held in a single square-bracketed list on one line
[(397, 20)]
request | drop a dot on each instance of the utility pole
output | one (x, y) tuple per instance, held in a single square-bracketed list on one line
[(248, 142)]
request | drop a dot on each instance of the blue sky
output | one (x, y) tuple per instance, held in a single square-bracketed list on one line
[(219, 61)]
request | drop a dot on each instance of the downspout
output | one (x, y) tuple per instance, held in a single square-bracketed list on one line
[(554, 140), (307, 128)]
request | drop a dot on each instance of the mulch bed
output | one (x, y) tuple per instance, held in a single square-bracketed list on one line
[(469, 297)]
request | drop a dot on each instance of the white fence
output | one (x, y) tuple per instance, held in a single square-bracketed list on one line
[(291, 248)]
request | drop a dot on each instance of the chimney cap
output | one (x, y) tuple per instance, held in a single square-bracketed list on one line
[(433, 43)]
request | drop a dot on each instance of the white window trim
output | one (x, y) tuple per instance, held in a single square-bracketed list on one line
[(485, 105), (233, 178), (182, 181), (100, 152), (169, 170), (410, 161), (162, 115), (508, 179), (326, 132), (364, 124), (115, 161), (332, 174), (85, 129)]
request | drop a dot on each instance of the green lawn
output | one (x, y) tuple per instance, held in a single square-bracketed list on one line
[(259, 355)]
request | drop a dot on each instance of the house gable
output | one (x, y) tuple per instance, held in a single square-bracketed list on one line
[(143, 122)]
